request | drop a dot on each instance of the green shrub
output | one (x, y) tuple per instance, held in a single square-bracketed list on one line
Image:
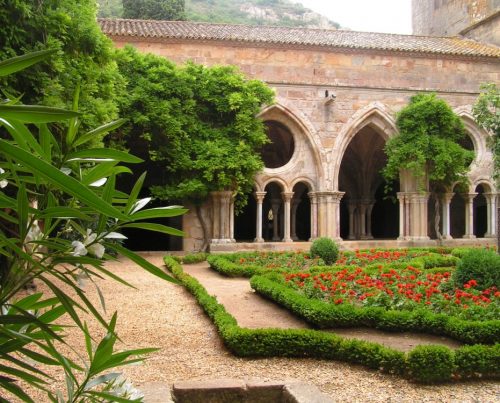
[(474, 361), (429, 364), (481, 265), (191, 258), (326, 249)]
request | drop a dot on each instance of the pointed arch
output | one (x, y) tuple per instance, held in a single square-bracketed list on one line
[(299, 124), (478, 135), (376, 115)]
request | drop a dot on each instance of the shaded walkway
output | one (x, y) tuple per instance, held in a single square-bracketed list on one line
[(252, 311)]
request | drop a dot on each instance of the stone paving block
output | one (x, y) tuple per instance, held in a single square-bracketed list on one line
[(209, 391), (156, 392), (303, 393), (264, 391)]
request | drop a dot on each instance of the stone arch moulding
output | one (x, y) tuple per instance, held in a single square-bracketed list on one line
[(478, 135), (261, 185), (309, 182), (295, 120), (376, 115), (485, 182)]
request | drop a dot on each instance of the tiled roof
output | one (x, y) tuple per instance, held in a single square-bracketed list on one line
[(297, 36)]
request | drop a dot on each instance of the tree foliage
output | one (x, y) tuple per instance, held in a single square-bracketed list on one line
[(428, 143), (199, 124), (76, 194), (487, 114), (154, 9), (84, 56)]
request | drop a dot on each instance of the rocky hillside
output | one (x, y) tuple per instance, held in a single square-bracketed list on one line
[(254, 12)]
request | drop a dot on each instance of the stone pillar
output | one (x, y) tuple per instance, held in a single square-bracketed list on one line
[(369, 210), (403, 228), (491, 209), (469, 215), (314, 215), (351, 207), (336, 198), (287, 197), (275, 207), (445, 214), (222, 209), (329, 217), (362, 220), (293, 218), (259, 197), (413, 224)]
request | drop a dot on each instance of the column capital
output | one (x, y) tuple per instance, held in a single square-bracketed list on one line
[(313, 196), (287, 196), (259, 196), (331, 196), (446, 197), (490, 196), (468, 197)]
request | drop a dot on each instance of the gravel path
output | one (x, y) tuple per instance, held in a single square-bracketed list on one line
[(160, 314)]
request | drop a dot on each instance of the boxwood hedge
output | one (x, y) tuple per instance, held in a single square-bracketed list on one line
[(468, 361)]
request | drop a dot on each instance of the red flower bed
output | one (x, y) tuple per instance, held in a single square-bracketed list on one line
[(363, 258), (403, 289)]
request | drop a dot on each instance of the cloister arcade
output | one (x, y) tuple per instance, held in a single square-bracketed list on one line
[(304, 193)]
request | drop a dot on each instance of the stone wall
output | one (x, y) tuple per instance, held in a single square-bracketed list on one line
[(449, 17), (486, 31)]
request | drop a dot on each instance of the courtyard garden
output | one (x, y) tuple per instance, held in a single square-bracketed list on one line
[(439, 291)]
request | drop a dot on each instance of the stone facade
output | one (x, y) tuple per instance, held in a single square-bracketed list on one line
[(477, 19), (339, 106)]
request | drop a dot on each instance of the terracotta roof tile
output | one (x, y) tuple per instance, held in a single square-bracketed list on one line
[(297, 36)]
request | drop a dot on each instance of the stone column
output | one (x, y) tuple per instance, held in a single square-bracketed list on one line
[(222, 208), (287, 197), (491, 210), (293, 222), (336, 198), (420, 213), (445, 214), (362, 220), (275, 207), (259, 197), (314, 215), (351, 207), (469, 215), (403, 232), (369, 210)]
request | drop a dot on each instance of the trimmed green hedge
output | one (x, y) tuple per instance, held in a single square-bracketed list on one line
[(191, 258), (324, 315), (312, 343)]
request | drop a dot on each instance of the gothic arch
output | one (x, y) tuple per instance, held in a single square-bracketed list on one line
[(299, 125), (377, 116), (478, 135)]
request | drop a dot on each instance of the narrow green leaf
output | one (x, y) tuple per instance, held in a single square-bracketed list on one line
[(107, 196), (98, 132), (22, 136), (63, 212), (160, 212), (101, 379), (88, 342), (7, 384), (18, 63), (38, 357), (27, 302), (143, 263), (22, 211), (45, 141), (20, 374), (104, 153), (35, 113), (155, 227), (57, 178), (134, 194)]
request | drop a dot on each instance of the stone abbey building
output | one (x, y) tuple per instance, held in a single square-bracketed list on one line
[(337, 93)]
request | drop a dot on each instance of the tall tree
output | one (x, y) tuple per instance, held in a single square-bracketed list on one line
[(198, 124), (154, 9), (428, 146), (85, 56)]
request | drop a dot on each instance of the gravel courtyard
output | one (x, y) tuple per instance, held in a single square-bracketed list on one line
[(164, 315)]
